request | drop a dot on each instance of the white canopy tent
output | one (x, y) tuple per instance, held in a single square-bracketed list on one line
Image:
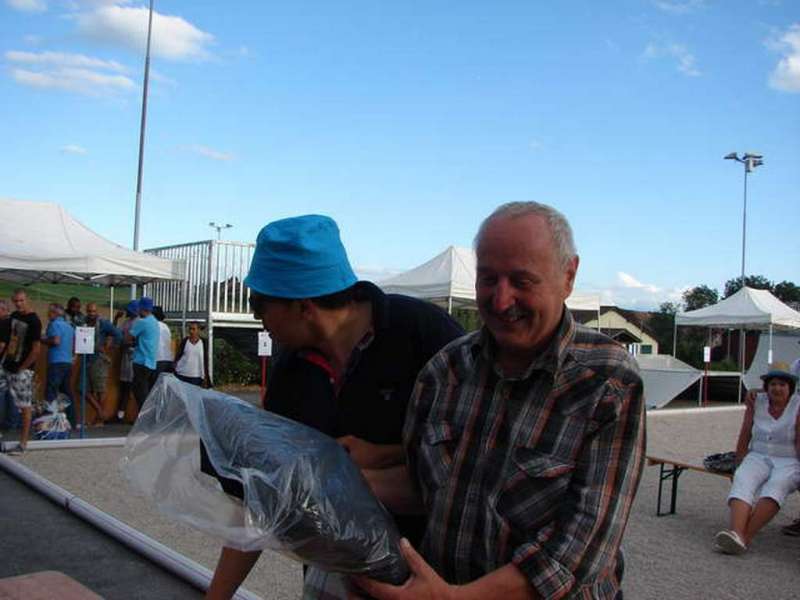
[(448, 279), (664, 377), (42, 242), (747, 309)]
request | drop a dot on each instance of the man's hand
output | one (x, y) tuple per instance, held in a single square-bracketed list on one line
[(371, 456), (423, 584)]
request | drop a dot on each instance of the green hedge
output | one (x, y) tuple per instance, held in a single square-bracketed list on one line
[(231, 367)]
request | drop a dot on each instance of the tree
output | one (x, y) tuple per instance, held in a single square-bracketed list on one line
[(700, 296), (757, 282), (662, 323), (787, 292)]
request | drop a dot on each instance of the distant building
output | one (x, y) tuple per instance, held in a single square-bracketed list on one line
[(628, 327)]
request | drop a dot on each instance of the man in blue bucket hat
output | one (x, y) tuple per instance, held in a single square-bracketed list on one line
[(349, 356), (145, 332)]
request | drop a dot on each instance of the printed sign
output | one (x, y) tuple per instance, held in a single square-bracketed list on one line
[(707, 354), (264, 343), (84, 340)]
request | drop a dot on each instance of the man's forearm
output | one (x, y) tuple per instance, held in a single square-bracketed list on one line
[(393, 487), (508, 583), (232, 569), (31, 358)]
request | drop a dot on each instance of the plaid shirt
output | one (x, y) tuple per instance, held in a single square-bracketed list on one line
[(540, 470)]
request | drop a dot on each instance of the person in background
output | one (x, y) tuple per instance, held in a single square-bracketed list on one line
[(164, 357), (146, 335), (131, 313), (191, 361), (73, 314), (99, 363), (10, 417), (793, 528), (19, 363), (525, 440), (59, 337), (768, 454), (349, 357)]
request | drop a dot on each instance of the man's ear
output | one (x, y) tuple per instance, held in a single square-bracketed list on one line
[(308, 310), (571, 273)]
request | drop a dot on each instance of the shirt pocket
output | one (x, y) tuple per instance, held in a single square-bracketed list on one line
[(437, 450), (532, 489)]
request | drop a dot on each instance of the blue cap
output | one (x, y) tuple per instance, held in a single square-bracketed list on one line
[(146, 303), (133, 307), (300, 257)]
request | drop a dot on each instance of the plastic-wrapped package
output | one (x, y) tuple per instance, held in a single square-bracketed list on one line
[(53, 425), (300, 493)]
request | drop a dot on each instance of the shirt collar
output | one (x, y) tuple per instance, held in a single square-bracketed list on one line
[(549, 360)]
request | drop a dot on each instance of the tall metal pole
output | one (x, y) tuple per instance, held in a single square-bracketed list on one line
[(141, 139), (744, 219)]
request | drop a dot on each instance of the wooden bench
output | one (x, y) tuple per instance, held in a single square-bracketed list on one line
[(671, 469)]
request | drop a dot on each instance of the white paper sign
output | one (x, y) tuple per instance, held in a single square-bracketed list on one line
[(84, 340), (264, 343), (769, 356), (706, 353)]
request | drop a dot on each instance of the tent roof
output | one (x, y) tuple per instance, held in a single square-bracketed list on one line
[(40, 241), (451, 275), (747, 307)]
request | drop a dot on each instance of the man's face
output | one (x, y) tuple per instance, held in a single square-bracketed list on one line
[(91, 313), (74, 307), (3, 311), (282, 319), (20, 302), (520, 285), (194, 331), (52, 314)]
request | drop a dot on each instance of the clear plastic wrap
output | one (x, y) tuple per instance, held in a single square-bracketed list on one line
[(300, 493), (53, 424)]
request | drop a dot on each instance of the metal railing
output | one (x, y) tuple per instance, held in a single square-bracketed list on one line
[(214, 286)]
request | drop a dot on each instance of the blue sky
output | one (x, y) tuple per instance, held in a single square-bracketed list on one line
[(409, 122)]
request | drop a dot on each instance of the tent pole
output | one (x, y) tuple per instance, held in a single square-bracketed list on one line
[(770, 346), (742, 342), (449, 305), (111, 303), (674, 335), (598, 318)]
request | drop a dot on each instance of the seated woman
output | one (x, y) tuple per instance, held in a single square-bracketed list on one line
[(769, 469)]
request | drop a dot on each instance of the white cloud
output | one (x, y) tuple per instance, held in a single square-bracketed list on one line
[(28, 5), (629, 281), (73, 149), (685, 60), (81, 81), (786, 75), (173, 38), (63, 59), (210, 152), (679, 7)]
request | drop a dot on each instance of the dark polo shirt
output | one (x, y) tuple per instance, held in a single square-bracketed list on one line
[(373, 395)]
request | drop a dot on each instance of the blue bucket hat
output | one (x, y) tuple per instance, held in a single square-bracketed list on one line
[(300, 257), (133, 307), (146, 303)]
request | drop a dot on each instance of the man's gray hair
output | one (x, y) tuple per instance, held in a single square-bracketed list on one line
[(57, 308), (559, 226)]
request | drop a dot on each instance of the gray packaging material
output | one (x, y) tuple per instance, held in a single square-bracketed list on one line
[(300, 493)]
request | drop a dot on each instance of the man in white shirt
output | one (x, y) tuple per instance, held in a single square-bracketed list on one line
[(191, 361)]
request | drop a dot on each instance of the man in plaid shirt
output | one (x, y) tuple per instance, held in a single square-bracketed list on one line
[(525, 440)]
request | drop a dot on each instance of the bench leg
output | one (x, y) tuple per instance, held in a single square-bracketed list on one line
[(668, 473)]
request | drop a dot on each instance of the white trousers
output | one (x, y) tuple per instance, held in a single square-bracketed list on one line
[(762, 476)]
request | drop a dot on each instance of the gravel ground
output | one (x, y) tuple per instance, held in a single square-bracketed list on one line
[(667, 557)]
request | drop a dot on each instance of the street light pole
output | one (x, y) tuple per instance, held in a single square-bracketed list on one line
[(138, 209), (750, 162), (219, 228)]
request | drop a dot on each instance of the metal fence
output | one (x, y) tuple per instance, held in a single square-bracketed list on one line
[(214, 289)]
